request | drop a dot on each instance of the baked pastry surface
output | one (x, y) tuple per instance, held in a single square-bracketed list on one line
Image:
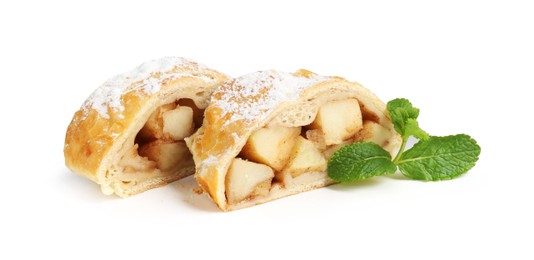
[(269, 134), (128, 135)]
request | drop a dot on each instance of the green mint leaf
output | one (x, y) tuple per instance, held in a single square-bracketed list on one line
[(401, 110), (440, 158), (412, 128), (359, 161)]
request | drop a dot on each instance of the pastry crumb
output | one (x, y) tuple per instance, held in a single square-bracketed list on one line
[(198, 190)]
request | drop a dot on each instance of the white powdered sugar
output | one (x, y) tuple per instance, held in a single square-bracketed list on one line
[(108, 96), (254, 95), (208, 162)]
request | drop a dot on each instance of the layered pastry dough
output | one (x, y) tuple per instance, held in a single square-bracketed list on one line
[(129, 134), (269, 134)]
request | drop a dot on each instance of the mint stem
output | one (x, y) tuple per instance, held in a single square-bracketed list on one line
[(401, 149)]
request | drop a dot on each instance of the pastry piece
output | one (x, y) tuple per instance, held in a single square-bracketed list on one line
[(287, 124), (128, 135)]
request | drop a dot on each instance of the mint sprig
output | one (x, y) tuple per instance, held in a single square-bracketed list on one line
[(404, 117), (360, 161), (439, 158), (433, 158)]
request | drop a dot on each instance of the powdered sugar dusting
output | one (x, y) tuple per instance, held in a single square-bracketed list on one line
[(254, 95), (208, 162), (148, 78)]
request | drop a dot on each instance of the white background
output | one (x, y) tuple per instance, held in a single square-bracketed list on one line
[(466, 64)]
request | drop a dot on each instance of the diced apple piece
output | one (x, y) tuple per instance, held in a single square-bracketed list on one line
[(271, 146), (172, 154), (338, 120), (373, 132), (166, 155), (245, 178), (178, 123), (198, 114), (305, 157), (330, 150), (317, 137), (262, 189), (153, 128)]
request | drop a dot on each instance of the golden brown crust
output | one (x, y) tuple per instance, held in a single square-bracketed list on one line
[(107, 122), (241, 106)]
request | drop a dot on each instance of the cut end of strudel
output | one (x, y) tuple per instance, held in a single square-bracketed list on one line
[(129, 134), (269, 134)]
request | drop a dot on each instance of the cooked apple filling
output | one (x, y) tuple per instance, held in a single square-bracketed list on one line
[(159, 149), (283, 156)]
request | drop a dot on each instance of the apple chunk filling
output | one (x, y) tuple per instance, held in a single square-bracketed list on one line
[(305, 157), (284, 156), (338, 120), (271, 146), (168, 122), (373, 132), (166, 155), (246, 179), (178, 123), (159, 149)]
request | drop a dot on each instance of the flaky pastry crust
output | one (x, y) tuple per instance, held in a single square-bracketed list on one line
[(103, 131)]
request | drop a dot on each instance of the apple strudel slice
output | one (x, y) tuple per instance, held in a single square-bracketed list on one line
[(269, 134), (129, 134)]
